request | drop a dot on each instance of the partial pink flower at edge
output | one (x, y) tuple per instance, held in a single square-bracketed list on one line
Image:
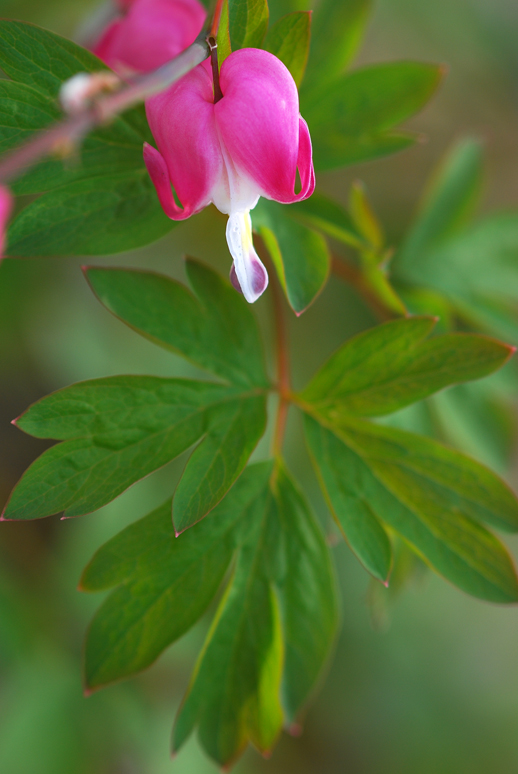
[(150, 34), (247, 145), (5, 211)]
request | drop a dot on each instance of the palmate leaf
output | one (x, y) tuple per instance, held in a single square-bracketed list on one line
[(120, 429), (272, 631), (377, 477), (433, 497), (353, 117), (98, 202)]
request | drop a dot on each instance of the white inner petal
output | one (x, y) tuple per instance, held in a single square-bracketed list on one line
[(252, 276)]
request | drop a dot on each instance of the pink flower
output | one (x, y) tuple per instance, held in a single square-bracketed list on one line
[(248, 144), (150, 34), (5, 211)]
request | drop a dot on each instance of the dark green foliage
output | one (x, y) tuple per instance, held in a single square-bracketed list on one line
[(118, 430), (101, 201), (274, 626)]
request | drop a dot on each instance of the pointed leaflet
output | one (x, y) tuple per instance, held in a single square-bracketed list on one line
[(394, 365), (449, 199), (476, 270), (243, 24), (271, 634), (120, 429), (300, 254), (163, 583), (352, 118), (433, 497), (288, 40), (215, 328), (328, 216), (106, 185), (338, 31)]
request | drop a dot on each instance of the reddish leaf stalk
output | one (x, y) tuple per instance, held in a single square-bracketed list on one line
[(283, 365), (64, 136), (216, 19), (218, 94), (353, 276)]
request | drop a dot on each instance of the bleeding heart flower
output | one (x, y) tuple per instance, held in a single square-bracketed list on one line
[(150, 34), (246, 145), (5, 211)]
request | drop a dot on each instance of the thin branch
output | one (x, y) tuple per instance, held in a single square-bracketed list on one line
[(352, 276), (66, 134), (283, 365), (216, 19)]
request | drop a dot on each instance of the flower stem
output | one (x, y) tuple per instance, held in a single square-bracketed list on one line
[(283, 365), (64, 136), (213, 46)]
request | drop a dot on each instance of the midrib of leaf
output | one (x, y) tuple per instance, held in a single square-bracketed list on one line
[(119, 452)]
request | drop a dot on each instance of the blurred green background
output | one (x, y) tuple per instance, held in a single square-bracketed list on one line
[(436, 690)]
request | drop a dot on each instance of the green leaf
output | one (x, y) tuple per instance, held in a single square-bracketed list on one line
[(272, 631), (307, 592), (393, 365), (243, 24), (352, 117), (164, 584), (288, 39), (349, 504), (100, 215), (300, 254), (271, 634), (39, 61), (433, 497), (120, 429), (328, 216), (450, 198), (101, 201), (476, 270), (338, 31), (215, 329), (364, 217)]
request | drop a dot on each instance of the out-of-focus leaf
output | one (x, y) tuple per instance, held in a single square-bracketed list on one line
[(338, 31), (39, 61), (328, 216), (433, 497), (247, 22), (477, 271), (473, 419), (288, 39), (120, 429), (215, 328), (300, 254), (164, 583), (352, 118), (394, 365), (364, 217), (451, 194), (272, 631), (99, 215)]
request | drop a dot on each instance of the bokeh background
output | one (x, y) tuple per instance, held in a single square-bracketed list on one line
[(435, 689)]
